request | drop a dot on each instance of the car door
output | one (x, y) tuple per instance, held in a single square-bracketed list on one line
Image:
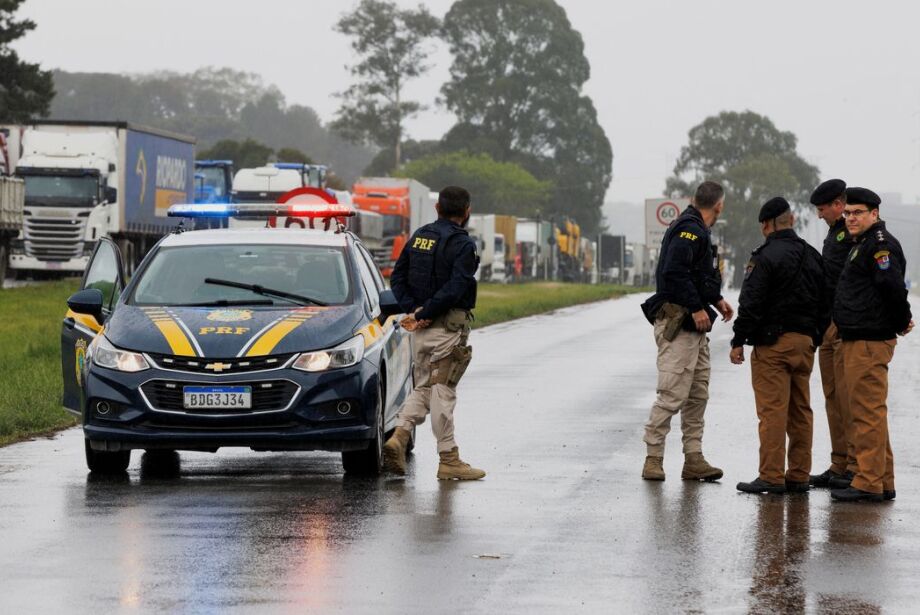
[(397, 350), (105, 272)]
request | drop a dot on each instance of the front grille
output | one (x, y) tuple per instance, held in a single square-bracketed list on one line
[(197, 365), (54, 239), (267, 395)]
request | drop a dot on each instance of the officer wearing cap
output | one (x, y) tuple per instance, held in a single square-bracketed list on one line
[(782, 313), (870, 310), (829, 199), (688, 287), (434, 282)]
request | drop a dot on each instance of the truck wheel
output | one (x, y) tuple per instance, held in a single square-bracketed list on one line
[(368, 462), (106, 462)]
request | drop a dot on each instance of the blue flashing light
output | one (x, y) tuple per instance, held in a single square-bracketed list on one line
[(200, 210)]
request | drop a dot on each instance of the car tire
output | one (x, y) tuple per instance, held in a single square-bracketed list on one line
[(106, 462), (368, 461)]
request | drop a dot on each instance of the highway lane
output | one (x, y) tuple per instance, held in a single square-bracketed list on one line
[(552, 407)]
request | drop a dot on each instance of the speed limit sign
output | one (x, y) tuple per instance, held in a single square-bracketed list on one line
[(659, 214)]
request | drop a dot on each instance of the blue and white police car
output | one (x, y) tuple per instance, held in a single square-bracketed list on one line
[(267, 338)]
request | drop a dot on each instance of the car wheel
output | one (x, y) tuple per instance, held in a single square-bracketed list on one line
[(369, 461), (106, 462)]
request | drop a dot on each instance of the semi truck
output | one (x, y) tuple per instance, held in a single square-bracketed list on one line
[(88, 180), (535, 248), (12, 201), (405, 204)]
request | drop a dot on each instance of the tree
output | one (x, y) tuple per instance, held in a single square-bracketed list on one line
[(244, 154), (391, 46), (754, 161), (496, 187), (292, 154), (384, 162), (25, 89), (515, 86)]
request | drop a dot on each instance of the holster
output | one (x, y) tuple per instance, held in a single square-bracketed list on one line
[(673, 316), (451, 368)]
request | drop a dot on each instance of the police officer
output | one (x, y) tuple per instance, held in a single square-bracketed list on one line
[(830, 198), (434, 282), (782, 313), (688, 282), (870, 310)]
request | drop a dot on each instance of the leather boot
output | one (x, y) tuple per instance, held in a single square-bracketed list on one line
[(697, 468), (653, 470), (454, 468), (394, 451)]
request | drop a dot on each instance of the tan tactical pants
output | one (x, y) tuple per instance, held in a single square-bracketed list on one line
[(780, 374), (429, 347), (839, 423), (683, 386), (869, 409)]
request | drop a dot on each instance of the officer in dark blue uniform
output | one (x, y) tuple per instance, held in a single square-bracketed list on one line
[(689, 286), (434, 282)]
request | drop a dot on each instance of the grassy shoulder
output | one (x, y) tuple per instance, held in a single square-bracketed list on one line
[(497, 303), (30, 355)]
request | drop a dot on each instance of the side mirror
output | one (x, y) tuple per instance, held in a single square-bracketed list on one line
[(111, 194), (88, 301), (389, 306)]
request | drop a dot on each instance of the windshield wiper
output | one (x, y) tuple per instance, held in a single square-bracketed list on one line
[(224, 303), (261, 290)]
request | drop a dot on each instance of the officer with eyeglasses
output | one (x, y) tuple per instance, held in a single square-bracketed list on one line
[(870, 310)]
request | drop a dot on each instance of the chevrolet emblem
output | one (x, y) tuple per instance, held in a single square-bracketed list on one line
[(218, 367)]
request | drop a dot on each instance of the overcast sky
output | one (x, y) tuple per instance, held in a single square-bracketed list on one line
[(842, 75)]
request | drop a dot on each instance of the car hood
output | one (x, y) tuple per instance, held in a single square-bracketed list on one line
[(230, 332)]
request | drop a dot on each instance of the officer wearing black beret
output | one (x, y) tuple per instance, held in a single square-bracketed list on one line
[(829, 199), (870, 309), (782, 313)]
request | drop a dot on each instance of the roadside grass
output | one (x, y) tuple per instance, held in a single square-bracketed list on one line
[(30, 352), (30, 360), (497, 303)]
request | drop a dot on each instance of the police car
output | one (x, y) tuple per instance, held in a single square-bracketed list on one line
[(267, 338)]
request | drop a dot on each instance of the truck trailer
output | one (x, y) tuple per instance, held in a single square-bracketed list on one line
[(88, 180), (12, 201)]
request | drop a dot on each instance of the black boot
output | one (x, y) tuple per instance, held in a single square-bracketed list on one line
[(760, 486), (852, 494), (823, 479), (793, 487), (842, 481), (889, 495)]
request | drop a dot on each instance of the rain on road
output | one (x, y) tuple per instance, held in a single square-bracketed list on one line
[(552, 407)]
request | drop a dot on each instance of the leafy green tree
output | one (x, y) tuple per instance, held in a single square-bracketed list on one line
[(25, 89), (244, 154), (496, 187), (391, 46), (384, 162), (516, 88), (292, 154), (754, 161)]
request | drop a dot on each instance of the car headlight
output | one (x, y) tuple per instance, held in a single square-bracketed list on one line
[(104, 354), (344, 355)]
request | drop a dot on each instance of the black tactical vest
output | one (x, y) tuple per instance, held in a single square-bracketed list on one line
[(429, 269)]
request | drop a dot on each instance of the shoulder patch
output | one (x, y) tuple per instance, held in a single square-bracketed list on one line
[(688, 235), (853, 253), (882, 259), (750, 267), (841, 235)]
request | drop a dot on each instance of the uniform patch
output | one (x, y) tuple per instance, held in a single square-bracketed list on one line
[(853, 253), (882, 260), (421, 243), (686, 235), (841, 235), (749, 269)]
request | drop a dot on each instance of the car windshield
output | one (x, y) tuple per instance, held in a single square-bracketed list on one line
[(176, 275)]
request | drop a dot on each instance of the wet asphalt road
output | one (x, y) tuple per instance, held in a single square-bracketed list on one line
[(552, 408)]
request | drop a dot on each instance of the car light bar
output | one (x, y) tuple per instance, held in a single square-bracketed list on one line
[(261, 210)]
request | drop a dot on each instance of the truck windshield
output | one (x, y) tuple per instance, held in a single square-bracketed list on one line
[(392, 225), (214, 180), (176, 276), (61, 190)]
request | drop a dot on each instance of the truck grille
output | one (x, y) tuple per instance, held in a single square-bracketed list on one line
[(54, 239), (197, 365), (267, 395)]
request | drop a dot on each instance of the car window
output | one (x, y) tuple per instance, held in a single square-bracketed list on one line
[(372, 265), (176, 275), (103, 274), (370, 286)]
